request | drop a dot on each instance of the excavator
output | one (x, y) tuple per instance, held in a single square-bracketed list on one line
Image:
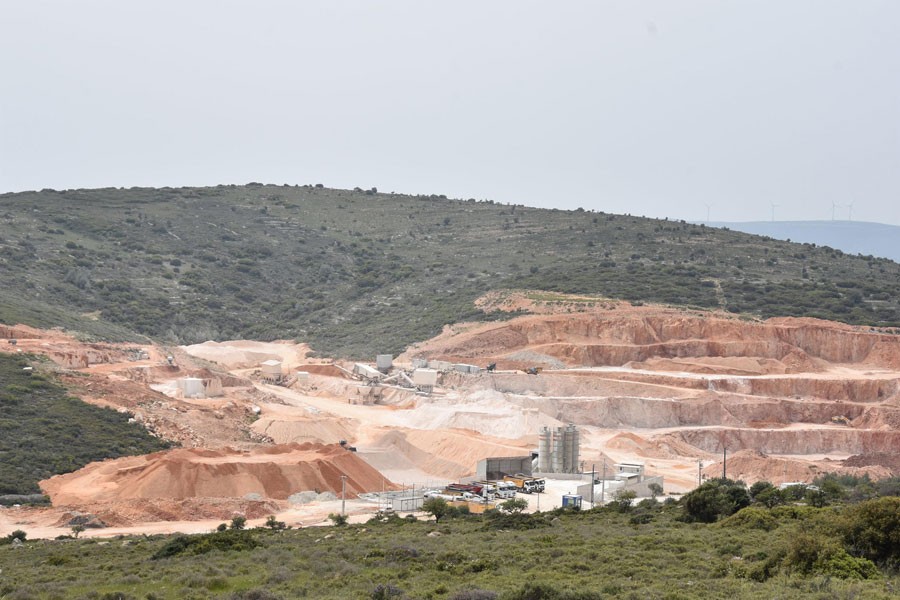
[(534, 370)]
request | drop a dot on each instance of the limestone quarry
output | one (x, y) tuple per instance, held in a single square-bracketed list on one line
[(787, 399)]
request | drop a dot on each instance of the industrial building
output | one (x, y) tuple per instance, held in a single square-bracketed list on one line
[(495, 467), (559, 450)]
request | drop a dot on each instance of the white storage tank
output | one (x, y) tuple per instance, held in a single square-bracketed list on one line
[(424, 377), (419, 363), (303, 376)]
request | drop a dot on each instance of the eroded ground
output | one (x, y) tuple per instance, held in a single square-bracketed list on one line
[(788, 398)]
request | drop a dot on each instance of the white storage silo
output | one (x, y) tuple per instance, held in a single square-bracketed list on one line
[(544, 463)]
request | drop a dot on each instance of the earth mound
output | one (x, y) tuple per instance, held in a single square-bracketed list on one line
[(269, 472)]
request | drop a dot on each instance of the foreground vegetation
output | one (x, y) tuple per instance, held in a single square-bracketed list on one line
[(647, 551), (44, 431), (359, 272)]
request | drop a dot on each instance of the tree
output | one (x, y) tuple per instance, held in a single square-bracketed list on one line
[(623, 500), (715, 499), (770, 497), (238, 522), (76, 530), (759, 486), (655, 490), (514, 505), (871, 530), (274, 524), (437, 507)]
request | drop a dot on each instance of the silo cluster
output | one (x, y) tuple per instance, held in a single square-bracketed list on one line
[(558, 449)]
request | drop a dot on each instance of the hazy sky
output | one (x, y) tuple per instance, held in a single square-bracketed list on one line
[(652, 108)]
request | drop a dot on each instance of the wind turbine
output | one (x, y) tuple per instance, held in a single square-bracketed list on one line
[(707, 211), (773, 211), (833, 206), (850, 211)]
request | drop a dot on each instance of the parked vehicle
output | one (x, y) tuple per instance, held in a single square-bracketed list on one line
[(526, 484)]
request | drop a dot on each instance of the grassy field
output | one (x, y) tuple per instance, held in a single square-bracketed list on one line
[(358, 272), (647, 553), (44, 431)]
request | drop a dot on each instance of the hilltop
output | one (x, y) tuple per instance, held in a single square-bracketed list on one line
[(355, 272), (854, 237)]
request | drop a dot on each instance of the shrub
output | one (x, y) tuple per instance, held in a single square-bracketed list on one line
[(810, 554), (339, 520), (474, 594), (752, 518), (233, 540), (385, 591), (715, 499), (871, 530)]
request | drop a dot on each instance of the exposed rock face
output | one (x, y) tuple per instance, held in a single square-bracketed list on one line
[(614, 339), (788, 441)]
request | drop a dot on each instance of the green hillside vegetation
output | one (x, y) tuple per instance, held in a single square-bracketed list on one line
[(359, 272), (44, 431), (619, 551)]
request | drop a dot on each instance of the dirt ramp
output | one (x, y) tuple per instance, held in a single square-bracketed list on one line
[(272, 472)]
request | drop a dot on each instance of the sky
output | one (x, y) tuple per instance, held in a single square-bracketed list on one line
[(688, 109)]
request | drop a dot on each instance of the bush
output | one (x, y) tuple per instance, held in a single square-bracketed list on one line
[(233, 540), (544, 591), (474, 594), (339, 520), (385, 591), (715, 499), (810, 554), (752, 518), (871, 530)]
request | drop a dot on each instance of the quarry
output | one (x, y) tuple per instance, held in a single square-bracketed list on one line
[(588, 396)]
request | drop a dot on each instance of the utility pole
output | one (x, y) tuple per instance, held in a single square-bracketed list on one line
[(593, 469), (724, 458), (603, 484), (699, 472), (343, 494)]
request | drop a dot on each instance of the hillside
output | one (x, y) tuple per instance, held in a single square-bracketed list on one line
[(44, 431), (853, 237), (642, 552), (359, 272)]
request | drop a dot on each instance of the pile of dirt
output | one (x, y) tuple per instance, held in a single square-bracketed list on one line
[(751, 466), (273, 472), (888, 460)]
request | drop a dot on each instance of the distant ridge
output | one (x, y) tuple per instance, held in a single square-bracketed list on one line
[(852, 237)]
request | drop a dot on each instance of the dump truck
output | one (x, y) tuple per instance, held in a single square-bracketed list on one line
[(525, 483), (481, 491)]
